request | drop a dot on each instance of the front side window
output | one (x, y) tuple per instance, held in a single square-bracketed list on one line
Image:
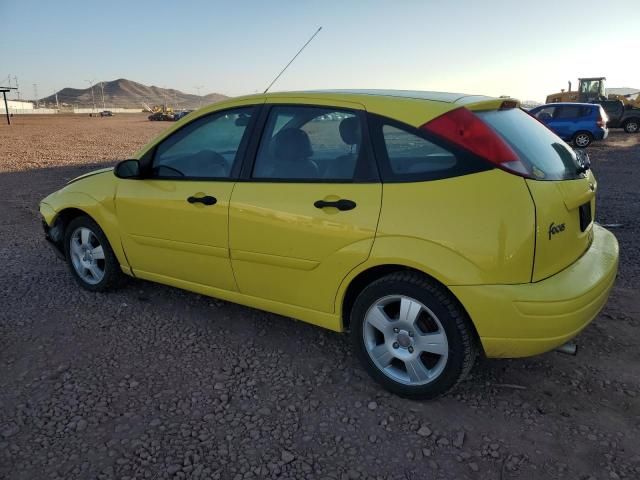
[(545, 114), (310, 144), (205, 148)]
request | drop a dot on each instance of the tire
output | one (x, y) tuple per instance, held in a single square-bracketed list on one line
[(632, 125), (94, 269), (413, 368), (582, 139)]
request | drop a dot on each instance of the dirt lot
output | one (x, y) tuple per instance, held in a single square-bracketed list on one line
[(154, 382)]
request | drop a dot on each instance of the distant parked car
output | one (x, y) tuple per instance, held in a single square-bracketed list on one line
[(158, 116), (622, 116), (106, 113), (178, 115), (579, 123)]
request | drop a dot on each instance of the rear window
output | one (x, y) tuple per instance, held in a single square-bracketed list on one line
[(549, 157)]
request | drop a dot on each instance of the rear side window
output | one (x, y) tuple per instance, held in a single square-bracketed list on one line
[(549, 157), (568, 112), (408, 154), (411, 154)]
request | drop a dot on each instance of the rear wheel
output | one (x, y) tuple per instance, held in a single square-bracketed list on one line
[(90, 257), (632, 125), (582, 139), (411, 336)]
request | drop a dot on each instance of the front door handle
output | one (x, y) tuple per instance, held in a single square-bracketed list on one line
[(206, 200), (342, 204)]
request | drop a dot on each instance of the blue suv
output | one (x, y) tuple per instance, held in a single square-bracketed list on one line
[(580, 123)]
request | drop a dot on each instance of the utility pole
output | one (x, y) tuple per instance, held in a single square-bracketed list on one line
[(102, 88), (17, 87), (35, 92), (198, 88), (4, 91), (93, 98)]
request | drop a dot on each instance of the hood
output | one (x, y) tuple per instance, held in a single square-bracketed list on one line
[(90, 174)]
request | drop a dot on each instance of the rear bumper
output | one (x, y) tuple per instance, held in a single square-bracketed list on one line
[(601, 134), (528, 319)]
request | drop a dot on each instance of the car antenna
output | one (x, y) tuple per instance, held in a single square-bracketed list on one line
[(291, 61)]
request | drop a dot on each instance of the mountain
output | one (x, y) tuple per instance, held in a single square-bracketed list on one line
[(129, 94)]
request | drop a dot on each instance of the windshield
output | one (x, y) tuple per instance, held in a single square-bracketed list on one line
[(547, 155)]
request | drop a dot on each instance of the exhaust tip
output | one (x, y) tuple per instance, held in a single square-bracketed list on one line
[(568, 348)]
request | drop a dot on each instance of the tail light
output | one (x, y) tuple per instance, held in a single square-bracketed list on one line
[(462, 128), (602, 118)]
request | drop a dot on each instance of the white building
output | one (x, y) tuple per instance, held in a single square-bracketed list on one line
[(16, 106)]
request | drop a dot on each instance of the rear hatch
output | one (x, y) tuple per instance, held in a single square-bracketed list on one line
[(561, 186)]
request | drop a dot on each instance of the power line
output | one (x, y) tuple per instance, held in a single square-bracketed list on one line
[(198, 88), (35, 93), (93, 98)]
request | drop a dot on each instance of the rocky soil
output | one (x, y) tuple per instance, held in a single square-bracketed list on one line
[(154, 382)]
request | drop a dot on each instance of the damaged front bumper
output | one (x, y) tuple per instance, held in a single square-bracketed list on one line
[(53, 231)]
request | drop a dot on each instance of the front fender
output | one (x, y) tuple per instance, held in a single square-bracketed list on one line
[(95, 196)]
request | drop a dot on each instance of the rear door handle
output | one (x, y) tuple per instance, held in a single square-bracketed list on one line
[(343, 204), (206, 200)]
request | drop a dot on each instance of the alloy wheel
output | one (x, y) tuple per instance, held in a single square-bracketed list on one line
[(87, 255), (405, 340), (582, 140)]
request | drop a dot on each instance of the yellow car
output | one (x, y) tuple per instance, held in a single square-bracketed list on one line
[(432, 226)]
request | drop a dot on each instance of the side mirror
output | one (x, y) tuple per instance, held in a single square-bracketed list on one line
[(127, 169)]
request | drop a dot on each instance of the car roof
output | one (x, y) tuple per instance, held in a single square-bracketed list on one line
[(363, 94), (564, 104)]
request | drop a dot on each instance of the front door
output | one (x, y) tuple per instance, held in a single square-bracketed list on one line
[(307, 211), (175, 220)]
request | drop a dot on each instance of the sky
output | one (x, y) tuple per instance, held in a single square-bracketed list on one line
[(526, 49)]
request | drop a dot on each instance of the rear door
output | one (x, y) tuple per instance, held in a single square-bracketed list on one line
[(563, 194), (306, 210), (565, 120)]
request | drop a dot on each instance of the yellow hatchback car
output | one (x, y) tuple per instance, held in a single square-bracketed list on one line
[(432, 226)]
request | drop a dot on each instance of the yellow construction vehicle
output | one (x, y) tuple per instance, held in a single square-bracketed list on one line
[(159, 112), (630, 100), (589, 90)]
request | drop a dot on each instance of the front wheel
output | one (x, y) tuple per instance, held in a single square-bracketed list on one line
[(91, 260), (412, 336), (582, 139), (632, 126)]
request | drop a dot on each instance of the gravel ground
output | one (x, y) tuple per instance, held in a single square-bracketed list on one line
[(153, 382)]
